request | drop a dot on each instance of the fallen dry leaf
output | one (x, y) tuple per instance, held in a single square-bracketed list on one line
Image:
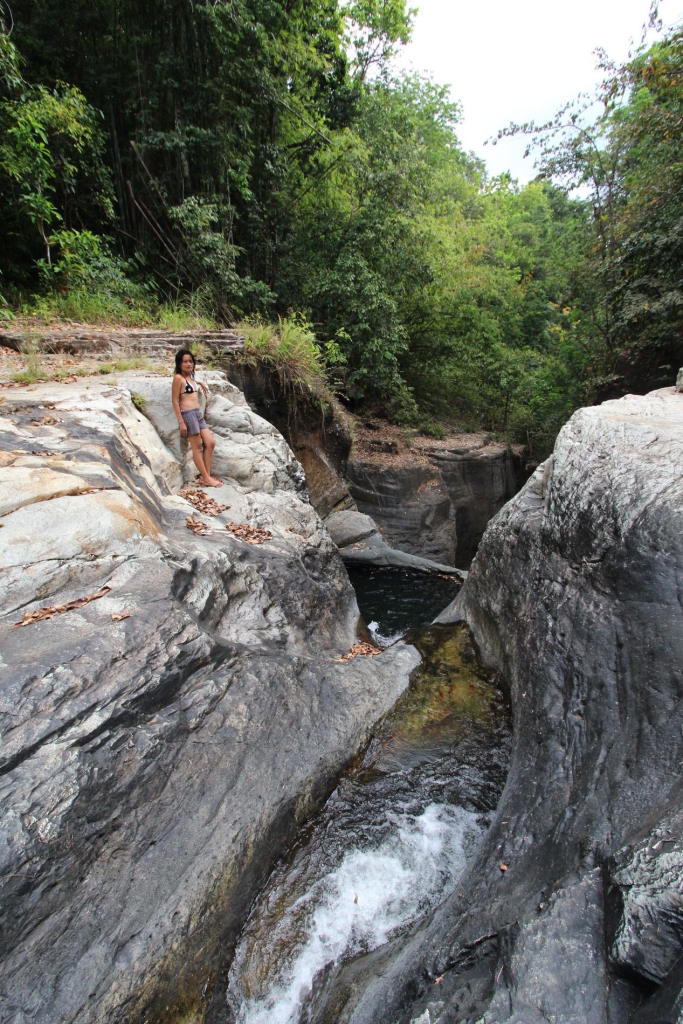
[(50, 611), (197, 526), (202, 502), (250, 534), (361, 650), (503, 867), (46, 421), (117, 616), (437, 981)]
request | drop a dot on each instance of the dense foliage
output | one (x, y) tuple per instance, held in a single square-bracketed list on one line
[(258, 156)]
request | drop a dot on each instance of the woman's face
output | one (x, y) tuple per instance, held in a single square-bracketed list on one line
[(187, 365)]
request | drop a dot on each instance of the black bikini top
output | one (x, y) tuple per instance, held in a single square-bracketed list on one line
[(189, 389)]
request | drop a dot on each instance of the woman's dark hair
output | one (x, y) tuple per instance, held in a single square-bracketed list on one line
[(179, 360)]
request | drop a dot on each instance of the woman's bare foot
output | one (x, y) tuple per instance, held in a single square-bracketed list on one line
[(212, 481)]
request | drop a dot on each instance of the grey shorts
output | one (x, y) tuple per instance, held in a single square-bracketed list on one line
[(194, 421)]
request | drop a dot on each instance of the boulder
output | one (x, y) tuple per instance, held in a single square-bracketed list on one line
[(679, 380), (360, 543), (350, 527), (572, 910), (171, 703)]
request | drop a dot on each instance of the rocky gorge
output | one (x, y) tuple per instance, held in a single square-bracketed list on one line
[(175, 705), (572, 910), (434, 498), (428, 498)]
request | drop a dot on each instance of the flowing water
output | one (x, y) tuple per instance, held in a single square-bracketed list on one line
[(400, 828)]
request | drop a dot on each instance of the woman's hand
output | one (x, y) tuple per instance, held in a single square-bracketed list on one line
[(183, 429), (203, 387)]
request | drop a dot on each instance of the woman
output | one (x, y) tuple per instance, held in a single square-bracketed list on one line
[(190, 420)]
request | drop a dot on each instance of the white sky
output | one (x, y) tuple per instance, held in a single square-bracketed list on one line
[(519, 60)]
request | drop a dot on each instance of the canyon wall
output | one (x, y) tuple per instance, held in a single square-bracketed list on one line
[(436, 498), (573, 909)]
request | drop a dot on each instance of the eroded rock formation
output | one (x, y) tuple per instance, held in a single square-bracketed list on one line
[(436, 499), (573, 909), (360, 543), (161, 741)]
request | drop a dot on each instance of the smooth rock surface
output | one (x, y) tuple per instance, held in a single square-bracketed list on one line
[(360, 543), (436, 500), (161, 743), (572, 910), (410, 503)]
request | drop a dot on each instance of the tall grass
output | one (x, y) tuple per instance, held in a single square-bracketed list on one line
[(102, 308), (290, 347)]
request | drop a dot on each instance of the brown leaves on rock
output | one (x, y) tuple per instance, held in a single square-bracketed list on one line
[(361, 650), (118, 616), (49, 611), (250, 534), (197, 526), (201, 501), (46, 421)]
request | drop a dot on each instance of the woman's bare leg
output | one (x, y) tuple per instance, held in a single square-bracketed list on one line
[(209, 445), (196, 445)]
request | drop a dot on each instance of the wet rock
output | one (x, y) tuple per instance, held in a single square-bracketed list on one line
[(646, 893), (574, 596), (360, 543), (162, 741)]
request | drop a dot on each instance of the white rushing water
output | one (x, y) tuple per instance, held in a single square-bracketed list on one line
[(383, 638), (361, 903)]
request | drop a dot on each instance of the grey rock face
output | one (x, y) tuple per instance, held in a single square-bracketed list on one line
[(411, 505), (161, 742), (679, 380), (572, 910), (439, 505), (360, 543), (646, 890), (479, 480)]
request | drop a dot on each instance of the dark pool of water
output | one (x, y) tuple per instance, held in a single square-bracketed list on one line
[(394, 600)]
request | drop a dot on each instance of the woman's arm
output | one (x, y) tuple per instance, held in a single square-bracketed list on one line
[(175, 398)]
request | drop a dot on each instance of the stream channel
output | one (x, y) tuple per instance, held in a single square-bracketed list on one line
[(402, 824)]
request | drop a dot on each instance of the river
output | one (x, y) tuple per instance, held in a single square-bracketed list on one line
[(401, 826)]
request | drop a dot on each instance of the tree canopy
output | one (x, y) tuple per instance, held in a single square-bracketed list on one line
[(261, 156)]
